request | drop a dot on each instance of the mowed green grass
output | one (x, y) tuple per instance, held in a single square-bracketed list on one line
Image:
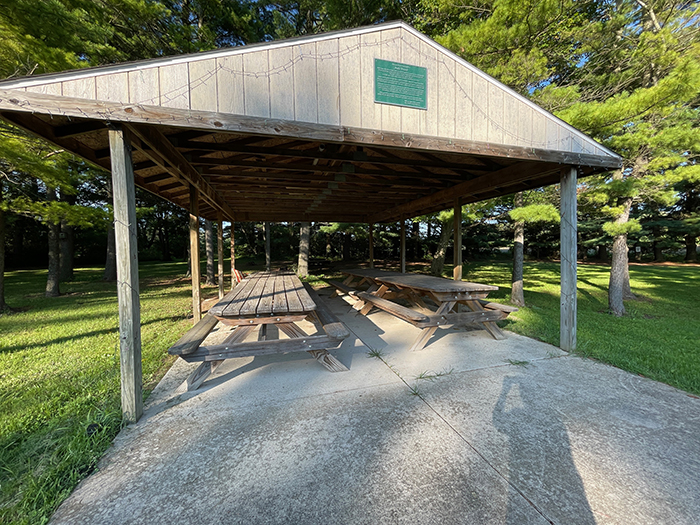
[(659, 338), (59, 359), (60, 380)]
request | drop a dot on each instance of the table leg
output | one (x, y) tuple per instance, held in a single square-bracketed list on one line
[(381, 292), (348, 282), (322, 356), (427, 333), (206, 368), (490, 326), (360, 304)]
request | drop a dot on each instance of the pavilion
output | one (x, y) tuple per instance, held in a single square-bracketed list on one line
[(368, 125)]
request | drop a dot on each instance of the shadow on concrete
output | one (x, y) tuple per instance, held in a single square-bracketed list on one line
[(539, 456)]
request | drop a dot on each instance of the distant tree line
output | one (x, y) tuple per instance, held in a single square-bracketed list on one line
[(625, 72)]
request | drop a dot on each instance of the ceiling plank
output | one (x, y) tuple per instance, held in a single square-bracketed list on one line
[(440, 200), (176, 162)]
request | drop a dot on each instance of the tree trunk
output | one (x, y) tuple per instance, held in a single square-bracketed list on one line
[(111, 261), (602, 253), (67, 248), (188, 273), (209, 244), (52, 289), (268, 247), (691, 248), (619, 286), (347, 239), (328, 245), (658, 251), (438, 263), (415, 235), (304, 234), (3, 304), (516, 296)]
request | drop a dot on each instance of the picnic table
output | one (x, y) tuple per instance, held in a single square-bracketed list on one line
[(445, 294), (260, 300)]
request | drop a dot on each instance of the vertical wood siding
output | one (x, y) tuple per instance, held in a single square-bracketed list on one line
[(331, 81)]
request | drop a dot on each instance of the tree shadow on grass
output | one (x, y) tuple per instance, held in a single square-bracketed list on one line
[(74, 337)]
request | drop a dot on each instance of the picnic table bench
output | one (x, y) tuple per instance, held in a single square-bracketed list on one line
[(260, 300), (383, 286)]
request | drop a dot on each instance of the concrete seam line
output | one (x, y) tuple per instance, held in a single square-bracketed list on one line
[(532, 504)]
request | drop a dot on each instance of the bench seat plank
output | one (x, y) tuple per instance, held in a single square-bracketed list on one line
[(189, 342), (330, 322), (393, 308)]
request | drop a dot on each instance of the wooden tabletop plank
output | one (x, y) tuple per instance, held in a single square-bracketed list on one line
[(292, 294), (231, 303), (370, 273), (250, 307), (418, 281), (265, 294), (267, 298), (280, 305)]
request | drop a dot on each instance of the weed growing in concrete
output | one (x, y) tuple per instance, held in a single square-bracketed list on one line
[(432, 376), (375, 353)]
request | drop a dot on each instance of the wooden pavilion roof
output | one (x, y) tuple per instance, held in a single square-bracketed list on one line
[(255, 162)]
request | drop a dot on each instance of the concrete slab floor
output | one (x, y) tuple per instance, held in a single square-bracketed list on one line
[(468, 430)]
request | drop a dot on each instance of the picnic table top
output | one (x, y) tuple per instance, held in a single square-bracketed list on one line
[(265, 293), (418, 281)]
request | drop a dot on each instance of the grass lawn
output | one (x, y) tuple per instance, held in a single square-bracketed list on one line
[(59, 378), (59, 358), (657, 339)]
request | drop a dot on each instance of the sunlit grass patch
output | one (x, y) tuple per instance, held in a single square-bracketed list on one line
[(657, 339), (60, 379)]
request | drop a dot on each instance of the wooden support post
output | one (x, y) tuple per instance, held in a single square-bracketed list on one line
[(123, 191), (220, 251), (457, 271), (194, 254), (268, 247), (371, 245), (567, 334), (403, 245), (233, 256)]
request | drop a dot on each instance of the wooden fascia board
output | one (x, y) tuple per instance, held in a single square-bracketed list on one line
[(12, 100), (36, 126), (512, 175)]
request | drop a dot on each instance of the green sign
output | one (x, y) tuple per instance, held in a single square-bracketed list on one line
[(400, 84)]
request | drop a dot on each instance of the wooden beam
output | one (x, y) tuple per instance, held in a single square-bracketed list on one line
[(123, 191), (440, 200), (457, 259), (371, 245), (28, 102), (319, 168), (80, 128), (403, 245), (568, 247), (220, 251), (388, 179), (37, 126), (163, 153), (194, 255), (316, 154), (300, 216)]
